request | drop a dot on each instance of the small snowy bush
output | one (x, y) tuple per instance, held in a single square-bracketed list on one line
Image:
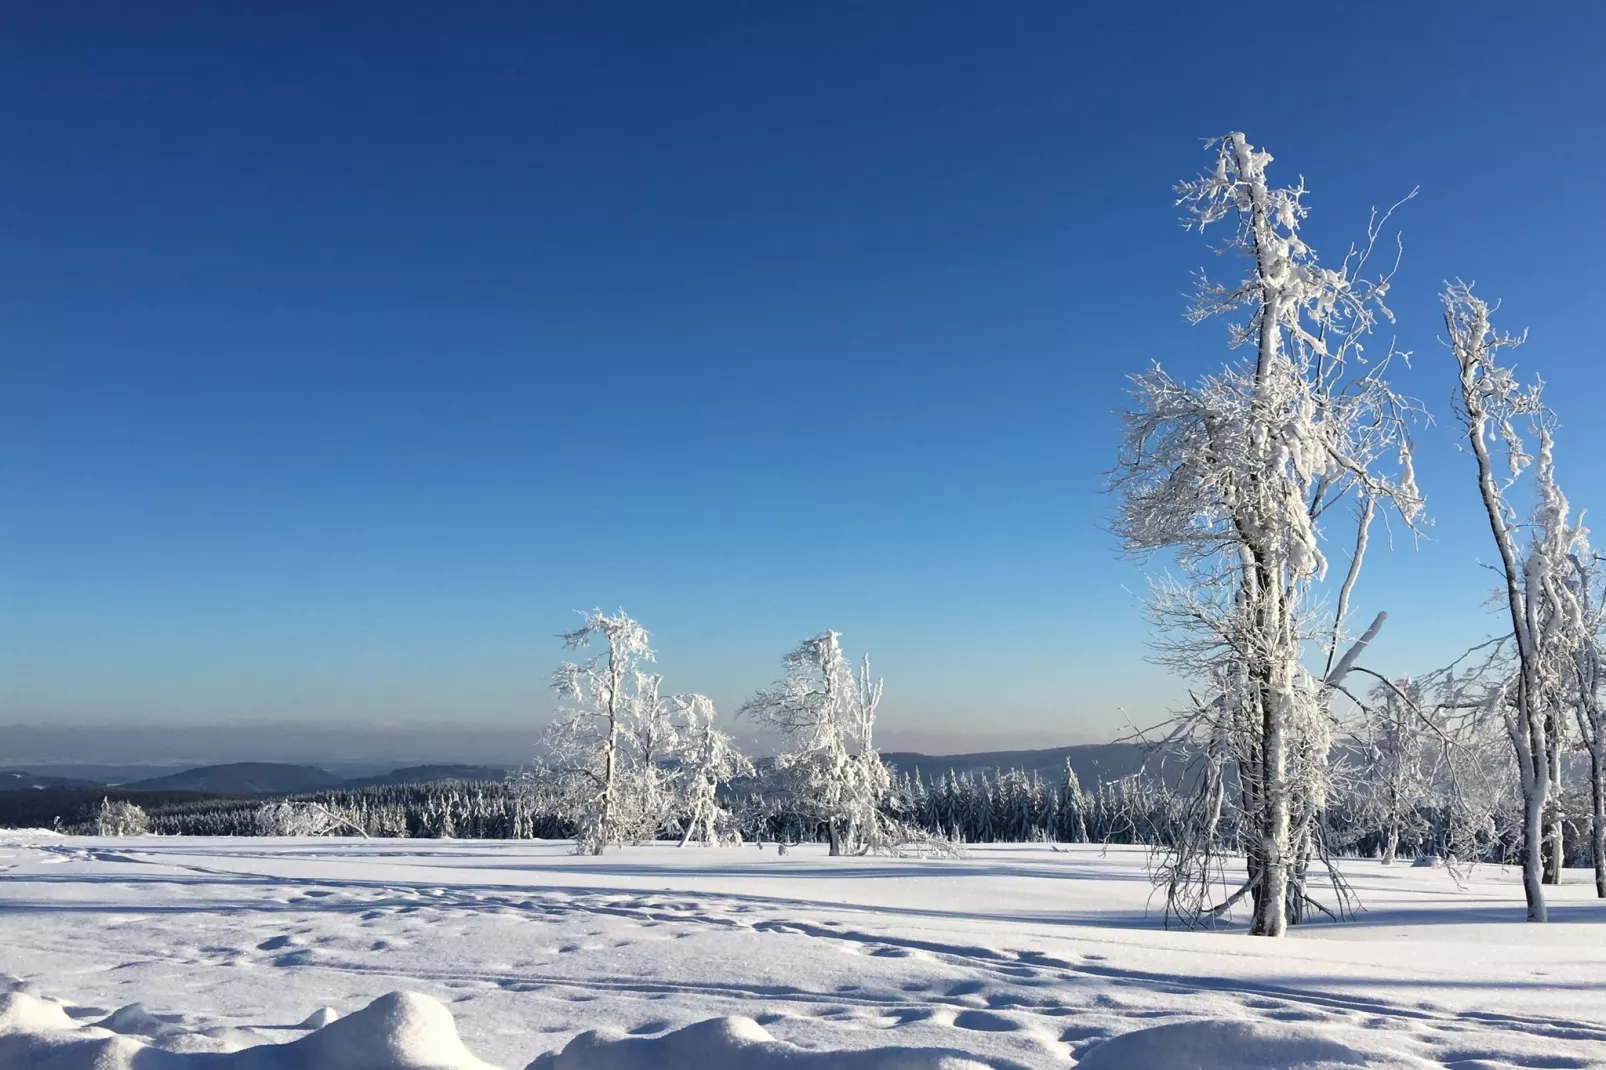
[(121, 818), (292, 818)]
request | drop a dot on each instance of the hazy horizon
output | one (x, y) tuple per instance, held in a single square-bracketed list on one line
[(376, 745)]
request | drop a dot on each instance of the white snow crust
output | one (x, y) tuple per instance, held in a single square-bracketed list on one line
[(272, 954)]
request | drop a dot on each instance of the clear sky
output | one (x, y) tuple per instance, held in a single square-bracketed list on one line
[(347, 349)]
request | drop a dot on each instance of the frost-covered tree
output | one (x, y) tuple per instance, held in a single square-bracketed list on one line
[(302, 817), (588, 759), (1551, 582), (817, 706), (1241, 479), (655, 741), (121, 818), (1398, 780), (1590, 711), (1540, 592), (826, 713), (709, 760)]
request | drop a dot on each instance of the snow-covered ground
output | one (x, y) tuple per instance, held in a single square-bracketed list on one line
[(1014, 956)]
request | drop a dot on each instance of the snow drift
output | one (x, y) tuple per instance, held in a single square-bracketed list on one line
[(733, 1043), (399, 1031), (1234, 1044)]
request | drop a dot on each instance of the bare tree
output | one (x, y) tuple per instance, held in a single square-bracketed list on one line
[(1236, 478)]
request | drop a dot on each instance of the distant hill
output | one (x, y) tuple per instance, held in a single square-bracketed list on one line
[(1093, 762), (243, 778), (20, 779), (429, 774)]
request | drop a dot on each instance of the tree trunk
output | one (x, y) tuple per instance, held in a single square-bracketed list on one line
[(1597, 821), (1555, 849), (835, 836), (1533, 826), (1271, 906), (1527, 731)]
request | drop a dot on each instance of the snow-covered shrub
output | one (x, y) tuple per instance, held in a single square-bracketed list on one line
[(121, 818), (290, 817)]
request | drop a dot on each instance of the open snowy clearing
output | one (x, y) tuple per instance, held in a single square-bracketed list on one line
[(1014, 956)]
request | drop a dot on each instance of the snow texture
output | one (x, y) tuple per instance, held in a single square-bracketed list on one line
[(399, 1031), (148, 953)]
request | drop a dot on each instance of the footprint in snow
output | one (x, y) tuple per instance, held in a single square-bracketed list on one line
[(986, 1022), (908, 1015), (657, 1025)]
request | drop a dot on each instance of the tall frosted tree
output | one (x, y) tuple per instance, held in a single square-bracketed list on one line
[(1541, 587), (597, 774), (1590, 712), (826, 713), (1242, 480)]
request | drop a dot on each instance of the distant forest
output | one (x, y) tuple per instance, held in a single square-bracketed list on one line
[(1012, 806)]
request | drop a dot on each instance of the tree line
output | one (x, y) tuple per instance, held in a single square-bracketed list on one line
[(1366, 820)]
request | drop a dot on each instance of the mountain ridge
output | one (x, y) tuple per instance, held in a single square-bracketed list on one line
[(1093, 762)]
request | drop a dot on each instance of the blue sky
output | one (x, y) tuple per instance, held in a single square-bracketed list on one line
[(345, 350)]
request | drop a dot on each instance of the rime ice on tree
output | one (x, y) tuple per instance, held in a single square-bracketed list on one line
[(1240, 479)]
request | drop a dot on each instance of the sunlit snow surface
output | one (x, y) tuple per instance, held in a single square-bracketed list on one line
[(1014, 956)]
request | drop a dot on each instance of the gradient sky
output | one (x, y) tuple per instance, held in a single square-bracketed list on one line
[(346, 349)]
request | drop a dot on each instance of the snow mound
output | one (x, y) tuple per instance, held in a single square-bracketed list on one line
[(401, 1031), (134, 1020), (733, 1044), (320, 1018), (20, 1011), (1231, 1044)]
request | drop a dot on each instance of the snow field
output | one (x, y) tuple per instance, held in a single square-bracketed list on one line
[(183, 953)]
